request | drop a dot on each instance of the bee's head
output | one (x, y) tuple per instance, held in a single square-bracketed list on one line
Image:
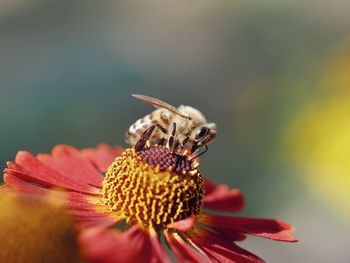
[(205, 134), (202, 132)]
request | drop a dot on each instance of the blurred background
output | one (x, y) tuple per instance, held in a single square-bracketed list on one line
[(274, 75)]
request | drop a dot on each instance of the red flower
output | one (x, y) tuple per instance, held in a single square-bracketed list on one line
[(148, 196)]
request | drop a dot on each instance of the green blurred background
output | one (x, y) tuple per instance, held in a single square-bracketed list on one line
[(272, 74)]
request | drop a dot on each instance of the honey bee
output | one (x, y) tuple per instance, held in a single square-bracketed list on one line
[(178, 128)]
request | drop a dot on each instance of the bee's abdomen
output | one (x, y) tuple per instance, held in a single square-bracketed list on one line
[(159, 116), (135, 130), (130, 138)]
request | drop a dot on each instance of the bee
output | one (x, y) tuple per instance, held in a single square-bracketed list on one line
[(177, 128)]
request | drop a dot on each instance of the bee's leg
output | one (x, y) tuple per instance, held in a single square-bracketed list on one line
[(185, 141), (194, 147), (162, 142), (147, 134), (144, 137), (172, 135), (206, 149), (161, 128), (176, 144)]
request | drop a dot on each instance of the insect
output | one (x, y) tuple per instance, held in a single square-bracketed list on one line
[(178, 128)]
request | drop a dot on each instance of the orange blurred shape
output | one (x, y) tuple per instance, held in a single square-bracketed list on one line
[(34, 231)]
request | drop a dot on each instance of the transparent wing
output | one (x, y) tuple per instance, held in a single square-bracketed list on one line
[(160, 104)]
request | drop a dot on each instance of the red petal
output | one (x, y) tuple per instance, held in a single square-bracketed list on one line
[(95, 222), (86, 213), (209, 186), (156, 252), (219, 250), (183, 225), (27, 188), (68, 161), (183, 251), (268, 228), (109, 246), (88, 222), (220, 197), (84, 208), (29, 168), (102, 156), (232, 235)]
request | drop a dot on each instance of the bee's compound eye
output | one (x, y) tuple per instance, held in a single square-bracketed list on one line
[(201, 133)]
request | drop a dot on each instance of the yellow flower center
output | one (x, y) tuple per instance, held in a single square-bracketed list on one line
[(154, 186)]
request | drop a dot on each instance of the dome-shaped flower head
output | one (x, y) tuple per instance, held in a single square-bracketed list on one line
[(131, 205)]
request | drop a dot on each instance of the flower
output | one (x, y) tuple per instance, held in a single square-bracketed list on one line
[(145, 198)]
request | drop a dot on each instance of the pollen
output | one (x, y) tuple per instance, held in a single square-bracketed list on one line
[(154, 187)]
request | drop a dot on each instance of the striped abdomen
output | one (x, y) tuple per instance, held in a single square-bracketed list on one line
[(160, 116)]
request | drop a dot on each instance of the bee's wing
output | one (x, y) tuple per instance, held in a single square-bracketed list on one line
[(160, 104)]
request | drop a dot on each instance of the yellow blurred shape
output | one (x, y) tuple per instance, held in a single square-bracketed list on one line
[(33, 231), (319, 136)]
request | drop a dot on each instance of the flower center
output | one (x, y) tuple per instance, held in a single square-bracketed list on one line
[(154, 186)]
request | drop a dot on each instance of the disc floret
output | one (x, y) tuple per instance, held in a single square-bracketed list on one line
[(154, 186)]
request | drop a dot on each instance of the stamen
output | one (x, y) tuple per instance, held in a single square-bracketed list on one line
[(195, 164)]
